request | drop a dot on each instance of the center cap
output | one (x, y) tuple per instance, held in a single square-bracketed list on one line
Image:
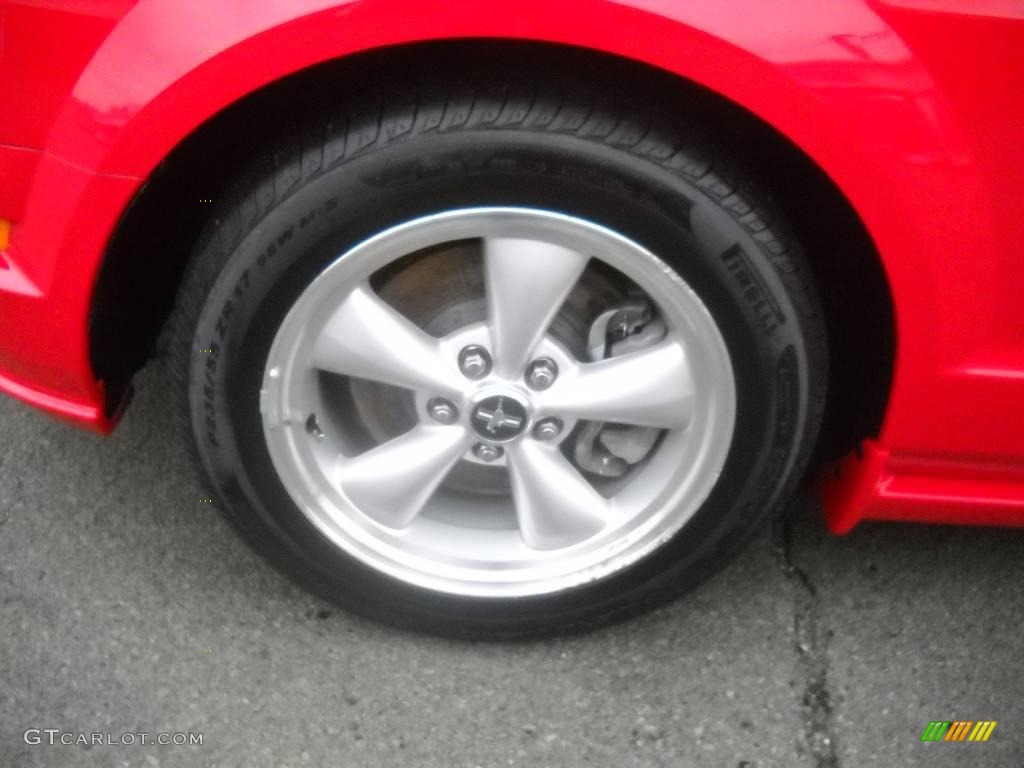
[(499, 418)]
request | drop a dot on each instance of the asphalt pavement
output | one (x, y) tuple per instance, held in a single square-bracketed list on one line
[(127, 606)]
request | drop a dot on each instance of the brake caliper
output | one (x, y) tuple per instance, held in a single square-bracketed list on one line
[(606, 449)]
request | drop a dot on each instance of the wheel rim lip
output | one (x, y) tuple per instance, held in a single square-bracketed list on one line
[(397, 555)]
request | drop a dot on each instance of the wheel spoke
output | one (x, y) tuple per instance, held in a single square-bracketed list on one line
[(392, 482), (555, 506), (366, 338), (650, 388), (527, 282)]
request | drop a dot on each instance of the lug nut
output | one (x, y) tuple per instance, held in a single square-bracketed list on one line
[(541, 373), (474, 362), (486, 452), (547, 429), (442, 411)]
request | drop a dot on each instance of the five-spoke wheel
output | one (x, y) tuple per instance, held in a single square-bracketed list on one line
[(507, 391)]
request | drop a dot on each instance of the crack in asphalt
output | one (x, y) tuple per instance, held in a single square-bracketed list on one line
[(19, 492), (811, 655)]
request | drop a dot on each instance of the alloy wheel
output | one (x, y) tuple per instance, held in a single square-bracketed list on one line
[(491, 448)]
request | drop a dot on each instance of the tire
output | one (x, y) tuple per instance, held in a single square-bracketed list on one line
[(599, 164)]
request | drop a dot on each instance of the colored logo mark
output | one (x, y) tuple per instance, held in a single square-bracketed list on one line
[(958, 730)]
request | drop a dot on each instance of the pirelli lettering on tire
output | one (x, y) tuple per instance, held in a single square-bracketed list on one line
[(754, 289)]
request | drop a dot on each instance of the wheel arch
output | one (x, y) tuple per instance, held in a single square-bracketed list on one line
[(133, 295)]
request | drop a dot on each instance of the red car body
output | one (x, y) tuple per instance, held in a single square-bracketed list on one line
[(913, 108)]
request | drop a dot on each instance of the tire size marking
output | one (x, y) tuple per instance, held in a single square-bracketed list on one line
[(237, 293), (272, 249), (209, 409)]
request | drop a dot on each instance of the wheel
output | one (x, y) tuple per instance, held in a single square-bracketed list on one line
[(497, 365)]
